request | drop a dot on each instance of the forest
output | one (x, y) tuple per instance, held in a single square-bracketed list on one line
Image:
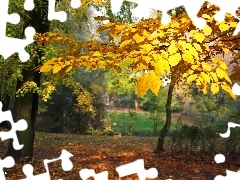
[(115, 87)]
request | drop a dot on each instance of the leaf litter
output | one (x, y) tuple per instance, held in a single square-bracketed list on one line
[(105, 153)]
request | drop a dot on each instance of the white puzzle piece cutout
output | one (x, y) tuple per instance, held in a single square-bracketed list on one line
[(87, 173), (66, 164), (192, 9), (137, 167), (20, 125), (7, 162), (8, 45)]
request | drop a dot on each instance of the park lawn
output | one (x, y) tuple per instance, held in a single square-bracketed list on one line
[(105, 153), (139, 122)]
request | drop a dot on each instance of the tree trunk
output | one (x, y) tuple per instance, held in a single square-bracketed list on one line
[(167, 125), (26, 107), (23, 110), (184, 108)]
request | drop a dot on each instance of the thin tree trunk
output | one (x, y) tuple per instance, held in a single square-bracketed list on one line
[(165, 129)]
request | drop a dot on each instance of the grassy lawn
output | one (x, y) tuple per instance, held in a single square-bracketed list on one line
[(138, 122)]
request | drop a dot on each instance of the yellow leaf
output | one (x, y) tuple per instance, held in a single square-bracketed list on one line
[(206, 66), (214, 76), (190, 71), (226, 50), (68, 69), (223, 65), (174, 59), (174, 24), (193, 32), (154, 83), (156, 57), (164, 54), (46, 68), (215, 60), (140, 67), (206, 16), (147, 47), (185, 75), (142, 85), (227, 78), (226, 88), (120, 27), (199, 37), (193, 51), (147, 59), (158, 67), (56, 68), (207, 30), (224, 27), (220, 73), (205, 77), (187, 57), (126, 42), (197, 47), (155, 42), (191, 78), (138, 38), (214, 88), (198, 82), (102, 65), (172, 49), (166, 65), (194, 67), (204, 89), (233, 24), (97, 53)]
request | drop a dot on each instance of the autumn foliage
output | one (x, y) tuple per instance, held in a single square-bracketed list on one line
[(178, 51)]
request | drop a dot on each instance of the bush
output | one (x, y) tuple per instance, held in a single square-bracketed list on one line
[(205, 138)]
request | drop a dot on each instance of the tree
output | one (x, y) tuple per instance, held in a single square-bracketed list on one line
[(26, 107), (27, 88), (176, 51)]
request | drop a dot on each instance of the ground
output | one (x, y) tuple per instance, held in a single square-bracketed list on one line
[(108, 152)]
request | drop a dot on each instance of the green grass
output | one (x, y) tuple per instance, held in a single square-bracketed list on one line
[(139, 122)]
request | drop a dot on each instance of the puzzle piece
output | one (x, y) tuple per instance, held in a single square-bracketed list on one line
[(230, 175), (6, 46), (60, 15), (75, 3), (87, 173), (219, 158), (21, 125), (230, 125), (7, 162), (137, 167), (66, 164), (236, 89), (29, 5)]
